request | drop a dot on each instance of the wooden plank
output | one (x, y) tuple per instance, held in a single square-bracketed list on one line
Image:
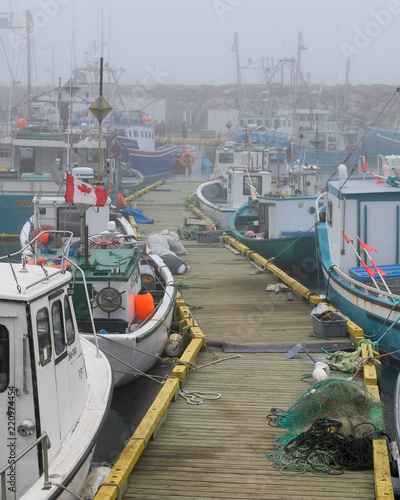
[(219, 449)]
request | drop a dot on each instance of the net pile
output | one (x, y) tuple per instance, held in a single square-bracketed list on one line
[(330, 429)]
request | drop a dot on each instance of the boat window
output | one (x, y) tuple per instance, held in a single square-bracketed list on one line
[(130, 133), (141, 133), (331, 138), (4, 358), (255, 181), (135, 133), (5, 153), (93, 155), (69, 324), (289, 122), (43, 332), (145, 134), (225, 157), (68, 219), (58, 326), (329, 213), (121, 132)]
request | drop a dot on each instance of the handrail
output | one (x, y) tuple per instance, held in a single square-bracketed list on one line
[(46, 444), (319, 206), (374, 291)]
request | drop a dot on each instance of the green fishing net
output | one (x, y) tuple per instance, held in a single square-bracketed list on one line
[(329, 429)]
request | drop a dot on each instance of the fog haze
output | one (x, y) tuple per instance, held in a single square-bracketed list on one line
[(191, 41)]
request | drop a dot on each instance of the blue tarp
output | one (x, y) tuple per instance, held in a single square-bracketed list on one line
[(137, 214)]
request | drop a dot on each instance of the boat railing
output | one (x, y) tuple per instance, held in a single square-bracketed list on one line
[(44, 440), (32, 246), (319, 205), (368, 290)]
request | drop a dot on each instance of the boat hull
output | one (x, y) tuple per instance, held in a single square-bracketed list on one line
[(220, 215), (293, 253), (366, 308), (151, 163)]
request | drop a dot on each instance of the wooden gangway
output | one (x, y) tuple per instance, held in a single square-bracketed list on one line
[(218, 449)]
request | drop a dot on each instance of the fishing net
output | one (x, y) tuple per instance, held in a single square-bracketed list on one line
[(329, 429)]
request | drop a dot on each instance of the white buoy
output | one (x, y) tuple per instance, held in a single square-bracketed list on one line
[(321, 371), (174, 345), (94, 480)]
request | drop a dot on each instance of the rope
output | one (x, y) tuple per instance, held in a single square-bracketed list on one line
[(189, 232), (324, 449)]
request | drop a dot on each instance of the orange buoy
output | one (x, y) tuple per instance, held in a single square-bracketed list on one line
[(45, 238), (144, 304)]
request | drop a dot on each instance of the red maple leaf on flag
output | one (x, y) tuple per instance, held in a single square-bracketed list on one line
[(84, 188)]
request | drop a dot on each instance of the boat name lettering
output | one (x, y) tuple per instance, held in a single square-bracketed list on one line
[(12, 445), (23, 203), (72, 353)]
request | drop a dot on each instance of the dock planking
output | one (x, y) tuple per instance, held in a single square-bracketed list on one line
[(219, 449)]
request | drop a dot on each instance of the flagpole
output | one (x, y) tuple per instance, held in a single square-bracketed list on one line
[(376, 268), (101, 95), (349, 241)]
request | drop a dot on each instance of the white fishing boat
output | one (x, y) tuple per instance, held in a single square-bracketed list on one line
[(55, 387), (220, 198), (120, 273), (359, 239)]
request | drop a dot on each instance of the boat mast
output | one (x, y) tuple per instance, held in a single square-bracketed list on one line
[(238, 73), (346, 90), (29, 24)]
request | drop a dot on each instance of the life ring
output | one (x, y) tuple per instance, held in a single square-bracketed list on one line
[(187, 160), (104, 241), (40, 260), (331, 146), (50, 262)]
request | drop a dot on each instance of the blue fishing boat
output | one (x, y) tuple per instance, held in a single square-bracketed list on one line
[(135, 135), (358, 235), (383, 141)]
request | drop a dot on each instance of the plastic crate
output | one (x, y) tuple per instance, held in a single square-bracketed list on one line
[(208, 236), (329, 329)]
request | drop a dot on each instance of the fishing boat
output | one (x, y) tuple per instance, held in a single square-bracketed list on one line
[(220, 198), (383, 141), (233, 154), (279, 227), (313, 137), (56, 387), (121, 275), (358, 238), (135, 135), (34, 159)]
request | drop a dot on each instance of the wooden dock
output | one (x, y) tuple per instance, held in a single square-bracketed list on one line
[(219, 449)]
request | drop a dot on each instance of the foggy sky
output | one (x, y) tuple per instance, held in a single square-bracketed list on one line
[(190, 41)]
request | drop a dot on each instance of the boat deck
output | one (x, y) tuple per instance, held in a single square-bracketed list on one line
[(219, 449)]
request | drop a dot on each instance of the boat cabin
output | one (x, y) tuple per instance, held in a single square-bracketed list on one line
[(367, 207), (43, 381)]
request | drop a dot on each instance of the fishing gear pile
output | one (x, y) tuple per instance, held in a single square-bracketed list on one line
[(329, 429)]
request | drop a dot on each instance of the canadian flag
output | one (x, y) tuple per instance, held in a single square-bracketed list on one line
[(81, 192)]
